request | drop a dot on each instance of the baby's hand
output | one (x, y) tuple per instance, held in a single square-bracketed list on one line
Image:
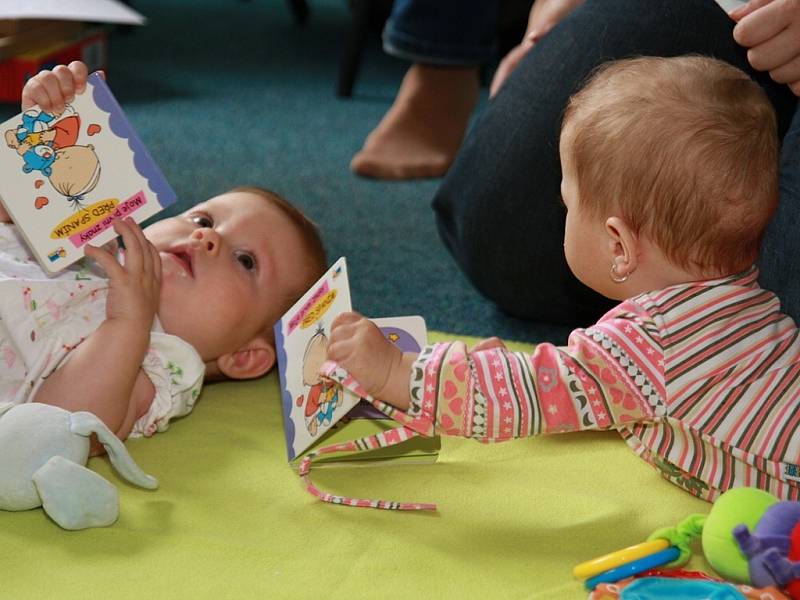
[(134, 286), (52, 90), (379, 366)]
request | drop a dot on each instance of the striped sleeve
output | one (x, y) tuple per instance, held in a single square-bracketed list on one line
[(608, 376)]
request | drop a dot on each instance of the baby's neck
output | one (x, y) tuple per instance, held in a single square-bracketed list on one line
[(657, 272)]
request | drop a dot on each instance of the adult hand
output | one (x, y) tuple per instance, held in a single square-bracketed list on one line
[(770, 29), (544, 15), (134, 286)]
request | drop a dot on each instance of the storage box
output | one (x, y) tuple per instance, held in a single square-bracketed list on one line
[(88, 45), (18, 36)]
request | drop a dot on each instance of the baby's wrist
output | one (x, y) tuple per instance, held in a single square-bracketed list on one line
[(135, 332), (396, 390)]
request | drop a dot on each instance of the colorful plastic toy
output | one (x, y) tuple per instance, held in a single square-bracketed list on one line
[(749, 537)]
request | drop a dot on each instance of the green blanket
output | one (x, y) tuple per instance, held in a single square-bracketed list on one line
[(232, 520)]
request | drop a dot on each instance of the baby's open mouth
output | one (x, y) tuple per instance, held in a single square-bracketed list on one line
[(184, 261)]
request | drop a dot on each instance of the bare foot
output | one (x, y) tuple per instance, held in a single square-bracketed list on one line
[(421, 133)]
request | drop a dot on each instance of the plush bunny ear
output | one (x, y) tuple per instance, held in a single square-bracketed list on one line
[(75, 497), (85, 423)]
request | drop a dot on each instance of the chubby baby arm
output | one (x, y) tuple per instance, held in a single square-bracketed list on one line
[(119, 391), (379, 366)]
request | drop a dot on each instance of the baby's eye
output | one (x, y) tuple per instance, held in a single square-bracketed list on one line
[(247, 260), (202, 220)]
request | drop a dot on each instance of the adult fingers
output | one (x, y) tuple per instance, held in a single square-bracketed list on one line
[(746, 9), (776, 51), (765, 22), (788, 72), (507, 66)]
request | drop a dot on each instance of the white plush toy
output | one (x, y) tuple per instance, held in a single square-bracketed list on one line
[(43, 450)]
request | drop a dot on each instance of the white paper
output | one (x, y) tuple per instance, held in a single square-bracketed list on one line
[(99, 11)]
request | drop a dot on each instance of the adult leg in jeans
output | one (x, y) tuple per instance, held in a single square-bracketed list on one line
[(780, 253), (446, 40), (498, 209)]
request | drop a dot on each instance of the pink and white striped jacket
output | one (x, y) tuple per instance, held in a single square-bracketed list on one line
[(702, 380)]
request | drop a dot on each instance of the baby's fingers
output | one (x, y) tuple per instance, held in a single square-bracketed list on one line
[(66, 83), (35, 92), (50, 92), (156, 258), (79, 74), (133, 246), (106, 260), (346, 318), (339, 351)]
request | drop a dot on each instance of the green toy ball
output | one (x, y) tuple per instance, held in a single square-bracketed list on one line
[(736, 506)]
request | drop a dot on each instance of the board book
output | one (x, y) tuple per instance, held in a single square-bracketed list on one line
[(64, 178), (317, 412)]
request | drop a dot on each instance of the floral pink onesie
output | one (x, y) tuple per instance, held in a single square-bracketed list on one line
[(42, 319)]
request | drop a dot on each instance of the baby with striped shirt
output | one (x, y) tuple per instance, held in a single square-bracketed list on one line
[(670, 177)]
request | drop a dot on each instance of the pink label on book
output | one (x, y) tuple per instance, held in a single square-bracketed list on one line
[(105, 215), (298, 318)]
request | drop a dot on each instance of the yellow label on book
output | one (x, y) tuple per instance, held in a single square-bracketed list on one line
[(318, 309), (84, 218)]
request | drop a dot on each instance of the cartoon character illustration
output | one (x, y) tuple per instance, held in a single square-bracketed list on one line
[(40, 135), (75, 172), (32, 129), (48, 143), (322, 397), (57, 253)]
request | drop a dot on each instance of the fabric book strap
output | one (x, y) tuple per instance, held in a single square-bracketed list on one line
[(384, 439)]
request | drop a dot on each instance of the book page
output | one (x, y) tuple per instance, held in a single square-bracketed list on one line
[(311, 406), (65, 177)]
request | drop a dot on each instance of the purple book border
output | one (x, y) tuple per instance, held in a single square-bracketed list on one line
[(121, 127)]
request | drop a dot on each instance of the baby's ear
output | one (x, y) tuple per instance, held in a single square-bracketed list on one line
[(251, 360)]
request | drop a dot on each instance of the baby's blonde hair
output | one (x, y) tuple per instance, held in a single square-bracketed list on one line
[(686, 149)]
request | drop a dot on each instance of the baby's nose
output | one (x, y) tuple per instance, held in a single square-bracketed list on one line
[(207, 239)]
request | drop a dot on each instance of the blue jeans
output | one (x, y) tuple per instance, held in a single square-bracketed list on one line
[(497, 209), (780, 251), (442, 32)]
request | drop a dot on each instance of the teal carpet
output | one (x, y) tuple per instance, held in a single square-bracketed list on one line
[(226, 93)]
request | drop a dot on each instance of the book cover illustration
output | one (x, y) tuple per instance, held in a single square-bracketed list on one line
[(65, 177), (310, 404), (314, 409)]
